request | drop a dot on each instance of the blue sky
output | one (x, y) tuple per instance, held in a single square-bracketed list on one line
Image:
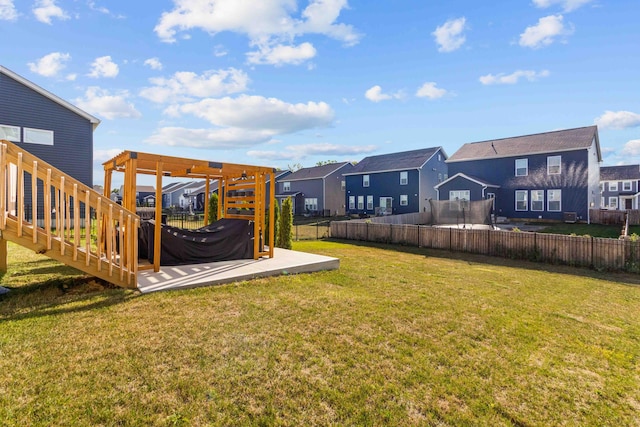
[(283, 82)]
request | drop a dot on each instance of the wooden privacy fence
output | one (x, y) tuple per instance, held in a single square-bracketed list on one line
[(593, 252), (604, 216), (67, 221)]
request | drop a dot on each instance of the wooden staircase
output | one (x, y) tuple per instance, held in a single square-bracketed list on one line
[(46, 210)]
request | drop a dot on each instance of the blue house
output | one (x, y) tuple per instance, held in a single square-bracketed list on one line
[(619, 187), (317, 190), (552, 175), (395, 183)]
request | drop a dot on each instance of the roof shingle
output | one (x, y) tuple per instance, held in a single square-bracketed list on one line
[(613, 173), (395, 161)]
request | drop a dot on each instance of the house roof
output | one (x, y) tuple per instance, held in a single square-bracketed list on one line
[(316, 172), (414, 159), (471, 178), (614, 173), (547, 142), (288, 194), (49, 95)]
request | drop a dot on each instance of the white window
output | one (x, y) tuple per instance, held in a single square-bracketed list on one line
[(522, 167), (439, 157), (286, 186), (343, 185), (352, 202), (522, 204), (360, 203), (369, 203), (386, 203), (554, 200), (554, 165), (404, 200), (626, 185), (38, 136), (10, 133), (459, 195), (404, 178), (440, 177), (613, 202), (311, 204), (492, 196), (613, 186), (365, 180), (537, 200)]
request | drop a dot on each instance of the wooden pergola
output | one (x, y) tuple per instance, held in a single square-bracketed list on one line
[(241, 188)]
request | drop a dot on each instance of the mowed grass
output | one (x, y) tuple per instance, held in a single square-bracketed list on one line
[(396, 336)]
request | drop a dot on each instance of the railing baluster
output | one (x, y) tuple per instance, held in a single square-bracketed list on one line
[(110, 239), (121, 242), (62, 214), (20, 198), (34, 200), (46, 190), (129, 251), (87, 227), (76, 222), (99, 222), (3, 187)]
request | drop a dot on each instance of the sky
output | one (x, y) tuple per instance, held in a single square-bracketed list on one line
[(283, 83)]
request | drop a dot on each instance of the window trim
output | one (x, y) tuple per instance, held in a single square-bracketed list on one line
[(366, 180), (459, 199), (286, 185), (615, 204), (537, 201), (549, 200), (14, 128), (613, 186), (360, 203), (404, 200), (526, 200), (27, 131), (624, 183), (526, 167), (406, 178), (315, 203), (352, 202), (369, 203), (549, 165)]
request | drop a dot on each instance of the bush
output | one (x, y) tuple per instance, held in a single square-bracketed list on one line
[(286, 225), (276, 225), (213, 208)]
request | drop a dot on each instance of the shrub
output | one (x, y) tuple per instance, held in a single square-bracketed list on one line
[(286, 224), (213, 208), (276, 225)]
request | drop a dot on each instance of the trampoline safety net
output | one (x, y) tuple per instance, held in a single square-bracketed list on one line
[(449, 212)]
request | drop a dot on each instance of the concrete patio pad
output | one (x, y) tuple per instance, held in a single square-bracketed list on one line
[(215, 273)]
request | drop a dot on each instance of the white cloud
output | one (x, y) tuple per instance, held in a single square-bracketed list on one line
[(219, 51), (185, 85), (618, 120), (429, 90), (50, 65), (104, 67), (567, 5), (282, 54), (513, 78), (110, 106), (101, 156), (47, 9), (258, 113), (449, 35), (208, 138), (299, 152), (375, 94), (153, 63), (544, 32), (267, 23), (632, 148), (8, 11)]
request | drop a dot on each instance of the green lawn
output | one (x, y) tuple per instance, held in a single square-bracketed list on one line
[(594, 230), (394, 337)]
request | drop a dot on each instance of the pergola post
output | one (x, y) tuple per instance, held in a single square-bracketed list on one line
[(158, 222)]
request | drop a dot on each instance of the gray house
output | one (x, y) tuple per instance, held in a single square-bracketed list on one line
[(48, 127), (395, 183), (619, 187), (317, 190)]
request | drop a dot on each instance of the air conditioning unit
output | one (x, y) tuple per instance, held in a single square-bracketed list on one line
[(570, 217)]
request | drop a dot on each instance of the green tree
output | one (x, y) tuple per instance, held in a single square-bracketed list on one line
[(326, 162), (286, 225), (213, 208), (276, 225)]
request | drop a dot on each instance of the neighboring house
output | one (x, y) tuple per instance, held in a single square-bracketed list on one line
[(142, 194), (171, 193), (395, 183), (317, 190), (541, 176), (619, 187), (45, 125)]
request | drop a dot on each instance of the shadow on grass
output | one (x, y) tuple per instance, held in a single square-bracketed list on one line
[(65, 294), (629, 279)]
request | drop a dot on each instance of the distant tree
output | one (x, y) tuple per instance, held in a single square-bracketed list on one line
[(326, 162), (286, 225), (213, 208), (294, 167)]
